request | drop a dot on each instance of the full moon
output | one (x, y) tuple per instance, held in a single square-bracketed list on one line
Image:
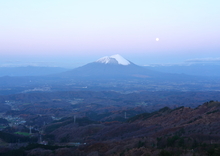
[(157, 39)]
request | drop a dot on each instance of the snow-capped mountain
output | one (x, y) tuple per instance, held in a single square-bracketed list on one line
[(114, 59), (116, 67), (110, 67)]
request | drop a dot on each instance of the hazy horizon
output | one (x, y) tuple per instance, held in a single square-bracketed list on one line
[(73, 33), (54, 62)]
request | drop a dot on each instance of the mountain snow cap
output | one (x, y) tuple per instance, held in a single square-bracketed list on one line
[(114, 59)]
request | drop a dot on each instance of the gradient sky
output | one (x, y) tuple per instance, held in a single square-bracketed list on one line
[(71, 33)]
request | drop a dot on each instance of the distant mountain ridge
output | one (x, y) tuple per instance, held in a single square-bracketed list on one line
[(111, 67), (198, 69), (111, 72), (116, 67)]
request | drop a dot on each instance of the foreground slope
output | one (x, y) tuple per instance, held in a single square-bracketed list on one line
[(175, 132), (168, 132)]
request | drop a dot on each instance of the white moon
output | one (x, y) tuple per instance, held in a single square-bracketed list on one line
[(157, 39)]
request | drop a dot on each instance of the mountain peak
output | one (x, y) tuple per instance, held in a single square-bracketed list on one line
[(114, 59)]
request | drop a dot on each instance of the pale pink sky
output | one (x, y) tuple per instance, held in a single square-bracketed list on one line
[(74, 32)]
